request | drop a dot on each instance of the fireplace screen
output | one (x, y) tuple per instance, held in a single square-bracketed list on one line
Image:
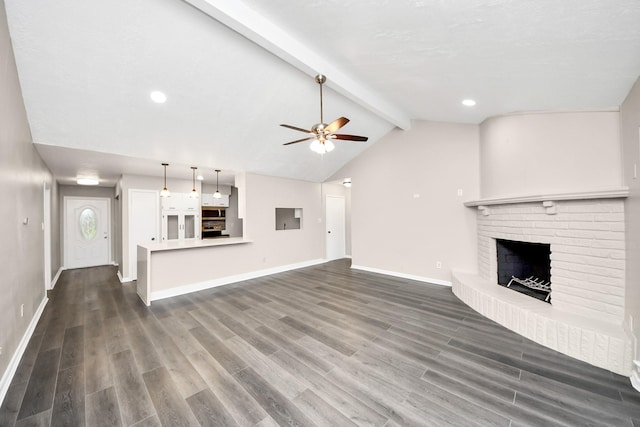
[(525, 267)]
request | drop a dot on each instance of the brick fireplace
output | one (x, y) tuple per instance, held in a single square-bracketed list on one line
[(585, 234)]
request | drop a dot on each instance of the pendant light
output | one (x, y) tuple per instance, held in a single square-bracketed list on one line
[(165, 192), (194, 193), (217, 194)]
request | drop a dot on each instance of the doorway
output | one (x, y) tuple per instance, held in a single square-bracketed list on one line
[(87, 226), (335, 227)]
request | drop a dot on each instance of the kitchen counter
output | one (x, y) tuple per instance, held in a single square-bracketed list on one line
[(165, 266), (193, 243)]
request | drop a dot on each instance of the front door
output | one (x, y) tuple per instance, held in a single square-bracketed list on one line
[(87, 240)]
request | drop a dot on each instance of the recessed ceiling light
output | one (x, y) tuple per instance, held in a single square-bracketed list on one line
[(469, 102), (87, 181), (159, 97)]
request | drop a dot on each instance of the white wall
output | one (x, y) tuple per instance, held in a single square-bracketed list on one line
[(23, 176), (543, 153), (630, 133), (269, 248), (393, 230)]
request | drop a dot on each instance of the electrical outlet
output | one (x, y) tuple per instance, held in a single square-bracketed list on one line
[(416, 195), (459, 191), (21, 310), (438, 264)]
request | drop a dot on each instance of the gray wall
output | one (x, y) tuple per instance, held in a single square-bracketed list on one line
[(630, 132), (405, 211), (23, 176), (546, 153)]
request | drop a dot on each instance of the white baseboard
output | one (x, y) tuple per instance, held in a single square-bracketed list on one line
[(7, 377), (124, 279), (194, 287), (403, 275), (635, 375), (56, 277)]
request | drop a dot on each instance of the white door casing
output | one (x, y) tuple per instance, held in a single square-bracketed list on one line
[(335, 227), (87, 231), (46, 229), (144, 224)]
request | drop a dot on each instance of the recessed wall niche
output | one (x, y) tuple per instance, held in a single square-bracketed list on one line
[(288, 218)]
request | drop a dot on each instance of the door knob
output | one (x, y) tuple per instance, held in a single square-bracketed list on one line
[(329, 231), (153, 238)]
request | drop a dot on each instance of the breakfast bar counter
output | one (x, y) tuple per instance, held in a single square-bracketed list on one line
[(177, 267)]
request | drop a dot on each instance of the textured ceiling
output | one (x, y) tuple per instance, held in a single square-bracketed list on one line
[(86, 70)]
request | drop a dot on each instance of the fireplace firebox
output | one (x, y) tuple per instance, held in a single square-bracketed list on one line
[(525, 267)]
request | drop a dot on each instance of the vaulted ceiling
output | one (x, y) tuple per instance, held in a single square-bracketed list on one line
[(233, 71)]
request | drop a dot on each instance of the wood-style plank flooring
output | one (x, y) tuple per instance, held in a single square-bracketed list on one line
[(324, 345)]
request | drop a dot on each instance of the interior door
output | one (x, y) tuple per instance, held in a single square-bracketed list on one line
[(87, 240), (144, 217), (335, 228)]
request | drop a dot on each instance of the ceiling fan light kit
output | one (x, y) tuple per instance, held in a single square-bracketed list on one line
[(321, 133)]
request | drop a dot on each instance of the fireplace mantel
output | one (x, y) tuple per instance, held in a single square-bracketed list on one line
[(586, 232), (608, 193)]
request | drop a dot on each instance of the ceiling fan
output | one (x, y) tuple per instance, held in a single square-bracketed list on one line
[(322, 133)]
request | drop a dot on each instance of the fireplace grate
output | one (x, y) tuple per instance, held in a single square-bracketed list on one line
[(533, 283)]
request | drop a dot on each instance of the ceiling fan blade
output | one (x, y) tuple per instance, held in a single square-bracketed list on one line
[(350, 137), (296, 128), (336, 124), (299, 140)]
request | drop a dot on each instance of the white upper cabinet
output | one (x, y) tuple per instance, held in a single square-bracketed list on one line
[(180, 202), (209, 200)]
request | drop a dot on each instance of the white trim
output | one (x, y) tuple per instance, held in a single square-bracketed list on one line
[(46, 230), (403, 275), (124, 279), (635, 375), (7, 377), (199, 286), (57, 276), (605, 193)]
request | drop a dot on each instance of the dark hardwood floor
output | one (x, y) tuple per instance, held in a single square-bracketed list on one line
[(324, 345)]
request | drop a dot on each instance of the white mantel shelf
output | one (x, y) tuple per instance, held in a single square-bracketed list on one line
[(611, 193)]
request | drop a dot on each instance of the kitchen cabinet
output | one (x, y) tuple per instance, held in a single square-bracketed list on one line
[(180, 217), (180, 225), (209, 200), (180, 202)]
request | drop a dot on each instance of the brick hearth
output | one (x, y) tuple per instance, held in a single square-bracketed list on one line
[(585, 319)]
